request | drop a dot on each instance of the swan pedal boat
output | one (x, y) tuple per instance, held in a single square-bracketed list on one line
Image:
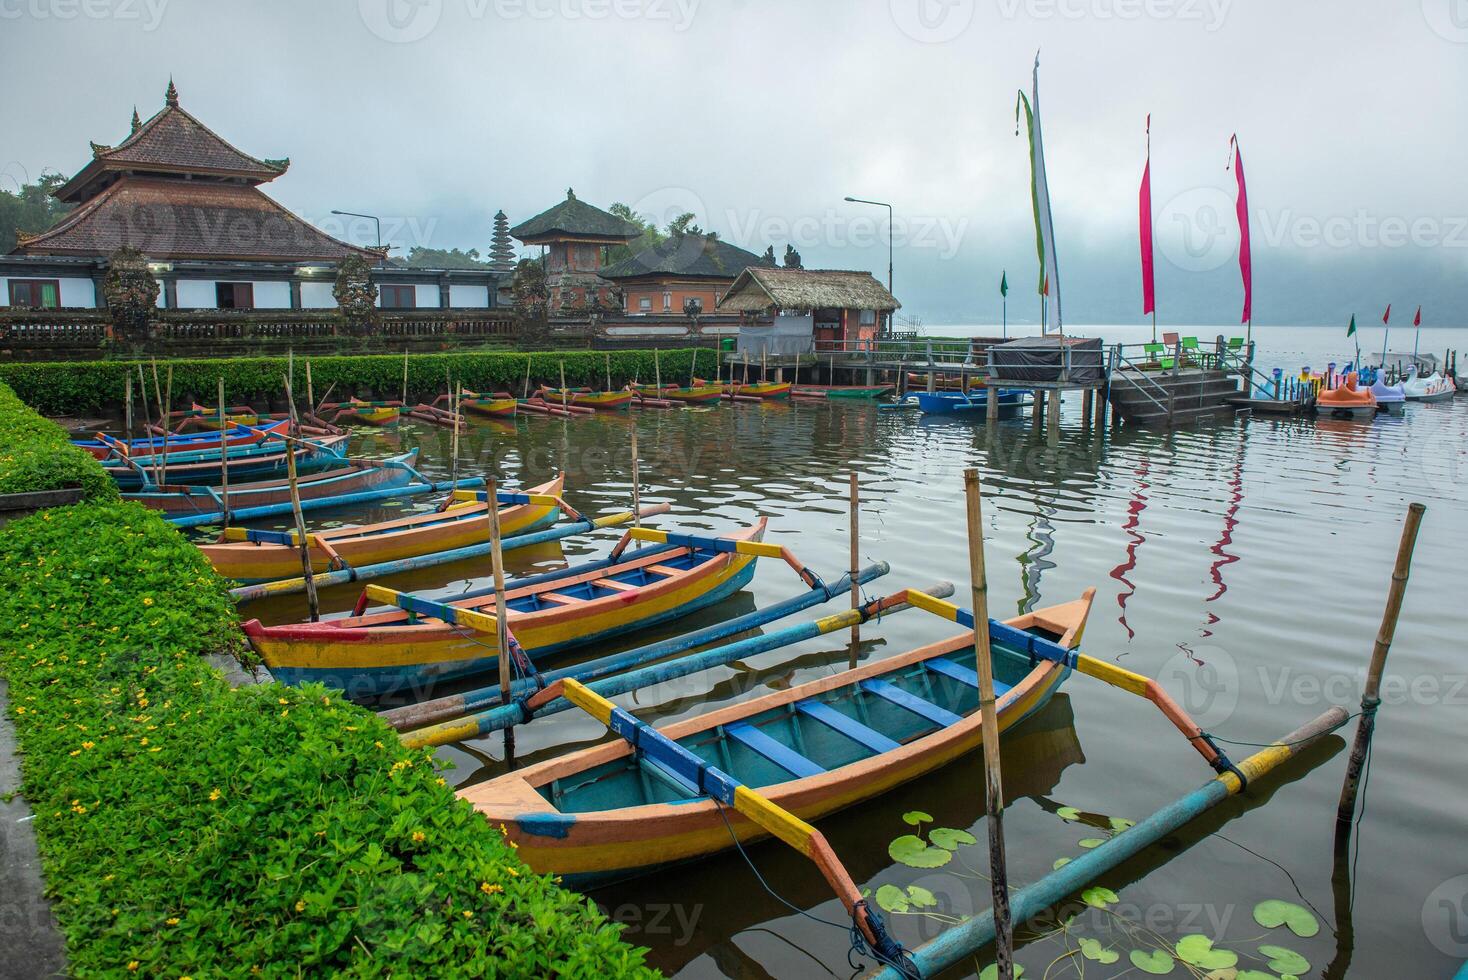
[(1433, 388), (605, 813), (372, 654)]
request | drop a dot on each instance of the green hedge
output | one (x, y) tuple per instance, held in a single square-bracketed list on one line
[(188, 829), (38, 455), (88, 387)]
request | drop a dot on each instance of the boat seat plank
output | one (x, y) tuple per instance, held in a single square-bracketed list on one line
[(960, 673), (846, 725), (941, 717), (783, 756), (664, 570), (615, 586), (559, 598)]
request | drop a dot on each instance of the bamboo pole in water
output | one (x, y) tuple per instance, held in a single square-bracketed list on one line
[(166, 411), (127, 412), (525, 392), (224, 456), (405, 375), (143, 394), (1371, 695), (458, 396), (310, 390), (609, 370), (565, 395), (657, 372), (989, 728), (501, 613), (313, 604), (855, 556), (636, 484)]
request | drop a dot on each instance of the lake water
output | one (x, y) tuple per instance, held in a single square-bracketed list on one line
[(1244, 563)]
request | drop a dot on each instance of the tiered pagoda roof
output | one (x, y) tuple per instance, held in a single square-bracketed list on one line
[(174, 189), (575, 220)]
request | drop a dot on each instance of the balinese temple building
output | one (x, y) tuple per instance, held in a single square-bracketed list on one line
[(192, 204), (679, 273), (574, 237), (801, 311)]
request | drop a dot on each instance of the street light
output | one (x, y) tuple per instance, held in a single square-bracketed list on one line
[(881, 204), (369, 217)]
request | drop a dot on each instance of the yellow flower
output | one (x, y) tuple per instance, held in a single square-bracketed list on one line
[(214, 794), (419, 837), (171, 921), (468, 914), (132, 964), (76, 751), (300, 906), (147, 600), (89, 745), (489, 889)]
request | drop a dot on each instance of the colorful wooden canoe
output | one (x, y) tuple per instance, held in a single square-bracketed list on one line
[(348, 477), (255, 556), (370, 413), (383, 652), (692, 393), (496, 405), (842, 391), (203, 417), (104, 445), (755, 389), (197, 467), (605, 812), (602, 401)]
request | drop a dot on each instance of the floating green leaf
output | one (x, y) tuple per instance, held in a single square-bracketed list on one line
[(1059, 863), (1155, 962), (991, 971), (1119, 824), (1277, 912), (1254, 975), (1198, 950), (1282, 960), (920, 897), (914, 852), (949, 839), (1092, 949), (1098, 897), (1068, 813), (892, 899), (1090, 842), (915, 817)]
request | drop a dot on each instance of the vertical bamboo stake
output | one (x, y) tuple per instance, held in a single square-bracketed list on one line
[(565, 395), (501, 620), (224, 458), (310, 390), (405, 375), (143, 394), (162, 419), (989, 728), (855, 564), (525, 392), (127, 412), (1370, 697), (657, 372), (457, 396), (693, 368), (636, 484), (313, 605), (609, 371), (168, 410)]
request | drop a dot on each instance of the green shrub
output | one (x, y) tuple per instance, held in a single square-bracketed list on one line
[(38, 455), (60, 387), (189, 829)]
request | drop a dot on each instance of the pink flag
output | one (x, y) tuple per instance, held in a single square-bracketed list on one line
[(1245, 269), (1387, 316), (1417, 320), (1144, 216)]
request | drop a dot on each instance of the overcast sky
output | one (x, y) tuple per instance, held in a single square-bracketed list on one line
[(761, 115)]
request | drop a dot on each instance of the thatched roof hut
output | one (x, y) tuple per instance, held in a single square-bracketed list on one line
[(761, 289)]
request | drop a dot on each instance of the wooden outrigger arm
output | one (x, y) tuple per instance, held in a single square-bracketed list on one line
[(1118, 677), (505, 498), (656, 748), (334, 561), (702, 542)]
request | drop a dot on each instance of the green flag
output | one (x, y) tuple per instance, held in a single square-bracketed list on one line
[(1004, 283), (1351, 330)]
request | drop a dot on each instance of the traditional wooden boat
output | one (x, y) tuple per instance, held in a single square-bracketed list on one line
[(691, 393), (754, 389), (1432, 388), (264, 556), (202, 466), (1347, 401), (1011, 400), (104, 445), (369, 413), (497, 405), (609, 812), (602, 401), (350, 476), (868, 392), (369, 655), (203, 417)]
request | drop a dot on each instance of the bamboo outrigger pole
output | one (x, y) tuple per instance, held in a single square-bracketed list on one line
[(636, 484), (525, 392), (657, 372), (989, 729), (127, 412), (224, 456), (313, 605), (501, 613), (1370, 696), (405, 375), (855, 555)]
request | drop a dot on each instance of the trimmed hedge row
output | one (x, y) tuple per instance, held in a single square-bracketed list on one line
[(38, 455), (90, 387)]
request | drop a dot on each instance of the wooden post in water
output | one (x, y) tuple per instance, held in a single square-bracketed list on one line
[(313, 605), (989, 728), (458, 395), (224, 457), (525, 391), (166, 411), (1052, 424), (657, 373), (1039, 409), (310, 390), (565, 395), (405, 376), (693, 367), (991, 408), (609, 370), (855, 561), (127, 412), (636, 483), (501, 621), (1370, 696), (1087, 401), (143, 394)]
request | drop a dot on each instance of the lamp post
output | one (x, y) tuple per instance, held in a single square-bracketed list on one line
[(370, 217), (881, 204)]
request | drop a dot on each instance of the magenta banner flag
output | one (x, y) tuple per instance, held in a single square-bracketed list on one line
[(1144, 227), (1245, 268)]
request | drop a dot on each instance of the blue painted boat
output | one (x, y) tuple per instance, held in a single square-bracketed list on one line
[(1011, 400)]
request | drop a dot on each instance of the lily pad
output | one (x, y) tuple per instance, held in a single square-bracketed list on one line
[(1098, 897), (1282, 960), (1068, 813), (1198, 950), (1092, 949), (1059, 863), (920, 897), (892, 899), (1090, 842), (1277, 912), (1119, 824), (1156, 962), (1254, 975), (949, 838), (915, 817), (991, 971), (915, 852)]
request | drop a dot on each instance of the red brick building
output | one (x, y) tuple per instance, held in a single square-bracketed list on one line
[(680, 270), (575, 236)]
